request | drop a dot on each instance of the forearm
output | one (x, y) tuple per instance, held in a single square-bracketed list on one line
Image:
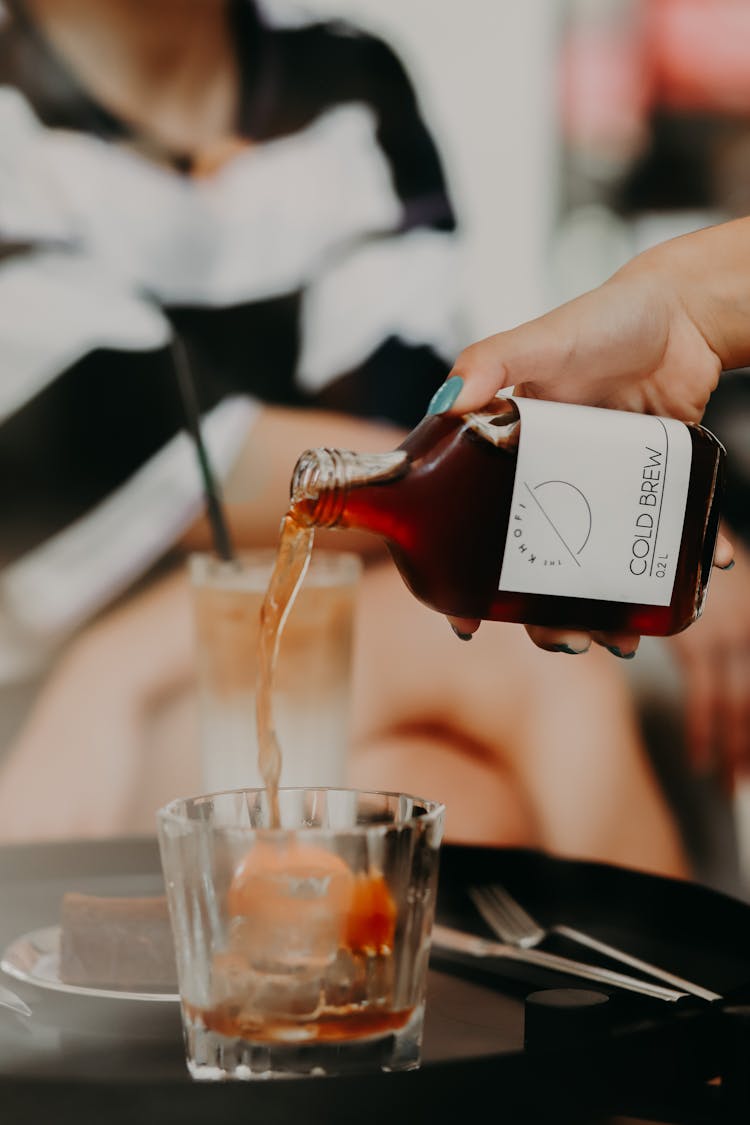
[(257, 491)]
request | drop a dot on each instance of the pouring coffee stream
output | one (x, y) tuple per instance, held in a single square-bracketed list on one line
[(295, 549)]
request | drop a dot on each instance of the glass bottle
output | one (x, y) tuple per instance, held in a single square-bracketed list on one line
[(541, 513)]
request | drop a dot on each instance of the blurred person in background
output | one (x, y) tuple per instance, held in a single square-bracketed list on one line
[(271, 194)]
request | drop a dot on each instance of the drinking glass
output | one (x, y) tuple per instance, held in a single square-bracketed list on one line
[(312, 684), (303, 949)]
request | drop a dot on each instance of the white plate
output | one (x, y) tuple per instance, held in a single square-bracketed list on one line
[(35, 958)]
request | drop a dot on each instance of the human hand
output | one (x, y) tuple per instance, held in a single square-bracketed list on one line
[(714, 657), (631, 344)]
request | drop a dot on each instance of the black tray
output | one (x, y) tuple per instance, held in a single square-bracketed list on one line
[(80, 1058)]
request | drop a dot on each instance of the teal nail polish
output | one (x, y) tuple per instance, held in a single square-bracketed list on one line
[(570, 651), (462, 636), (728, 566), (618, 652), (445, 396)]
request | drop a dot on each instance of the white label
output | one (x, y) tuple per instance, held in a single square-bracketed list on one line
[(598, 504)]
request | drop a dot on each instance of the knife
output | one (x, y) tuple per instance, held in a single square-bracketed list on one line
[(458, 941)]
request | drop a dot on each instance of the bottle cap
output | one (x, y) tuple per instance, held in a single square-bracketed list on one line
[(564, 1016)]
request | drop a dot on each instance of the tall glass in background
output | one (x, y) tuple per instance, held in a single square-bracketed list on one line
[(301, 950), (312, 689)]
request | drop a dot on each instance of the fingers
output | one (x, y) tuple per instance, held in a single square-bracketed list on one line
[(477, 376), (568, 641), (724, 553), (622, 645), (560, 355), (500, 362), (572, 642), (464, 627)]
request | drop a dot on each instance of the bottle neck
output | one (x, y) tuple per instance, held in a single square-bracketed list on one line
[(323, 478)]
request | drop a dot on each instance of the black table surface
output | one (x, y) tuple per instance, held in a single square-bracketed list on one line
[(78, 1058)]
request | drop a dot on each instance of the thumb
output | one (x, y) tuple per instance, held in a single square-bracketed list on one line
[(533, 358), (570, 354)]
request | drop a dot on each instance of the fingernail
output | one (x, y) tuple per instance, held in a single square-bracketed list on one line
[(728, 566), (445, 396), (570, 651), (618, 652), (462, 636)]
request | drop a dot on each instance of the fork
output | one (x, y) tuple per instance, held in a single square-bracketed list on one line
[(514, 925), (460, 941)]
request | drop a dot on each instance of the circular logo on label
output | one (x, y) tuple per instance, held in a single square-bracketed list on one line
[(551, 523)]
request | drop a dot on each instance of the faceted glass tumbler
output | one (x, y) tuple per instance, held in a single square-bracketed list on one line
[(301, 949)]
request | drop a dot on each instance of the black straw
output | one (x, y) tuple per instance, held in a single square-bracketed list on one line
[(214, 509)]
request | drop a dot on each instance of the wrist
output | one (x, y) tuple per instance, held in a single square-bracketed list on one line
[(706, 274)]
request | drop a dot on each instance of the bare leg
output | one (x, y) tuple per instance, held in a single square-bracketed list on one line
[(82, 764), (505, 726), (434, 764), (524, 747)]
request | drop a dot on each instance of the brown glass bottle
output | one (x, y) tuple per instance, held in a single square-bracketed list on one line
[(442, 503)]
